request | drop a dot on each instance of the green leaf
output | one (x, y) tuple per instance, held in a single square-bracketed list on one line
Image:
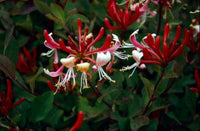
[(148, 87), (41, 6), (152, 126), (173, 117), (73, 20), (119, 78), (40, 107), (5, 19), (54, 116), (8, 38), (27, 24), (22, 40), (55, 19), (69, 7), (190, 100), (31, 80), (21, 93), (92, 23), (7, 66), (12, 50), (98, 109), (124, 124), (107, 93), (134, 108), (138, 122), (57, 12)]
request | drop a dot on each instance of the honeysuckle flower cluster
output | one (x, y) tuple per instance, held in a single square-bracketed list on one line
[(124, 18), (152, 54), (81, 56), (27, 62), (6, 100)]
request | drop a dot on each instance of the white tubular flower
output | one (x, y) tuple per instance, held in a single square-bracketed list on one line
[(103, 59), (69, 63), (119, 54), (83, 67), (137, 55)]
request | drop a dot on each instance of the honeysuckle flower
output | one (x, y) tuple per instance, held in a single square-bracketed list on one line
[(197, 79), (83, 67), (128, 45), (101, 60), (152, 53), (51, 44), (69, 63), (119, 54), (79, 51), (137, 55), (6, 100), (27, 62), (144, 11), (58, 87)]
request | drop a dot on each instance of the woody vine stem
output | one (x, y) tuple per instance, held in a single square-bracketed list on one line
[(154, 91)]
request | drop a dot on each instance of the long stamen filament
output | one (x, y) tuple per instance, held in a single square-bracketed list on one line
[(104, 75), (48, 53)]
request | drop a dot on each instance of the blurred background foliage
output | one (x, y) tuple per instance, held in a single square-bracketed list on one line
[(22, 23)]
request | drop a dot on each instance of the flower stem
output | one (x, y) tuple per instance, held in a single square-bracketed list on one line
[(98, 94), (154, 91), (173, 81), (159, 19), (24, 87)]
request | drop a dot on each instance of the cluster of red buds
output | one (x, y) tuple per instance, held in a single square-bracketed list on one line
[(150, 49), (6, 103), (27, 62), (124, 18)]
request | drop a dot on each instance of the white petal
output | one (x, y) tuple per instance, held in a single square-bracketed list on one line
[(68, 62), (103, 58), (115, 37), (137, 55)]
